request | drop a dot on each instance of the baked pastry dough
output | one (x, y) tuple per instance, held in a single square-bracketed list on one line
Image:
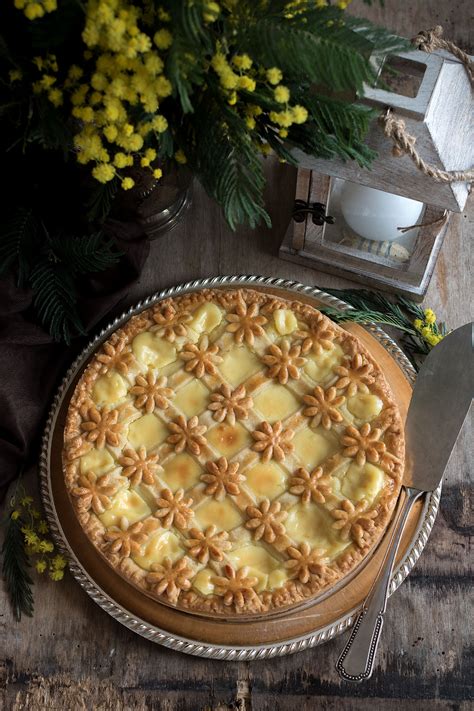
[(231, 452)]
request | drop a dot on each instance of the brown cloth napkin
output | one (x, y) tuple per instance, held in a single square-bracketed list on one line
[(32, 364)]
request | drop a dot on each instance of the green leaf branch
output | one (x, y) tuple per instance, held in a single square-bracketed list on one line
[(419, 327), (26, 544)]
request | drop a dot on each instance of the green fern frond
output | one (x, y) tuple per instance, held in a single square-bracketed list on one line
[(414, 309), (375, 307), (340, 117), (335, 129), (381, 40), (17, 244), (228, 163), (55, 299), (190, 18), (278, 146), (366, 301), (297, 51), (53, 278), (367, 316), (15, 570), (101, 199), (191, 41), (349, 123), (183, 74), (335, 55), (165, 145), (48, 129), (87, 254), (327, 45), (363, 299), (337, 26)]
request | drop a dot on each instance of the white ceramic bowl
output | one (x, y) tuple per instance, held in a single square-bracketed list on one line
[(376, 215)]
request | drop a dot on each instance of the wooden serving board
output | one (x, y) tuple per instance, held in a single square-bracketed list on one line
[(274, 629)]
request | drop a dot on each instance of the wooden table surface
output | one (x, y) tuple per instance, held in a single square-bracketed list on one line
[(72, 655)]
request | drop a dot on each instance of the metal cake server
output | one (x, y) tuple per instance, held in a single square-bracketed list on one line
[(440, 402)]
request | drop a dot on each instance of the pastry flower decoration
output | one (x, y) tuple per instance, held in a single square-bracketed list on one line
[(169, 323), (284, 361), (237, 587), (222, 477), (100, 426), (323, 406), (138, 466), (127, 539), (94, 492), (174, 509), (150, 391), (246, 322), (230, 405), (304, 562), (187, 434), (207, 544), (314, 485), (265, 520), (273, 441), (354, 521), (318, 337), (355, 374), (170, 579), (116, 355), (201, 358), (364, 444)]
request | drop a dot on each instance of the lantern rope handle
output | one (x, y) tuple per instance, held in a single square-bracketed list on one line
[(395, 128), (431, 40)]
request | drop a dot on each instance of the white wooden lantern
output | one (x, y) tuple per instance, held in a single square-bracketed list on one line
[(439, 122), (440, 117)]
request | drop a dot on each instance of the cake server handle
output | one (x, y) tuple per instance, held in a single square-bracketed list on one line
[(356, 662)]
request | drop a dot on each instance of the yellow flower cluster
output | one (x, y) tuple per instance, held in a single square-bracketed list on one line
[(15, 75), (274, 75), (48, 80), (35, 530), (233, 77), (127, 79), (122, 78), (34, 9), (291, 114), (428, 328), (231, 80), (211, 12), (116, 95), (296, 6)]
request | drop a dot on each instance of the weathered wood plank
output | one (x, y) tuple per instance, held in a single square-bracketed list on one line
[(420, 658)]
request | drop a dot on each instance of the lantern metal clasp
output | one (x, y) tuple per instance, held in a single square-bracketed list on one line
[(317, 210)]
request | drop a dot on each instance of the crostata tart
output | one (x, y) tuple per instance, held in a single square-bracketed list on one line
[(232, 452)]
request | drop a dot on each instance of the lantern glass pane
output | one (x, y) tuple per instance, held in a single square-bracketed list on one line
[(366, 222), (401, 76)]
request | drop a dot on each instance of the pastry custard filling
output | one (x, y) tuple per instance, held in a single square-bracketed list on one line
[(231, 452)]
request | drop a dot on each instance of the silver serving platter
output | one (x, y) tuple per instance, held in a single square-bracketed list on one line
[(199, 647)]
